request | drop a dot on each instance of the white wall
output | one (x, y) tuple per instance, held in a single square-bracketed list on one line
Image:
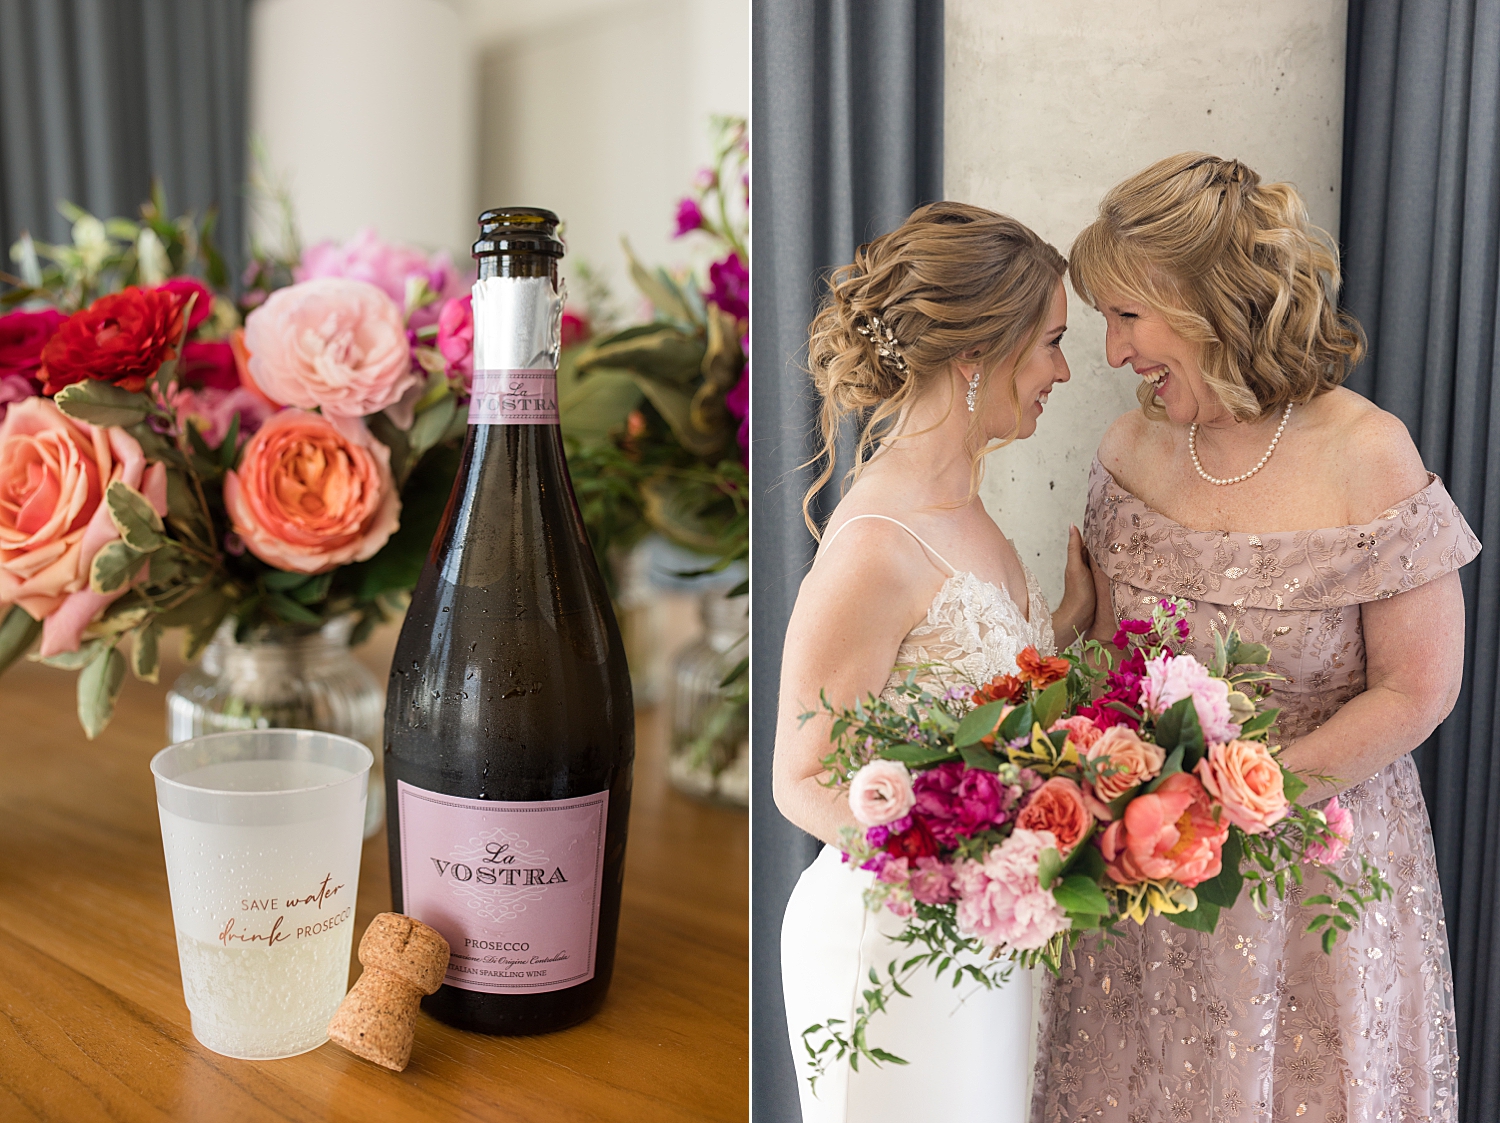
[(603, 118), (366, 109), (1048, 105)]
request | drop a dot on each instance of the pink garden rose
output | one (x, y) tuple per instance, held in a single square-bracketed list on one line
[(1245, 778), (312, 493), (1082, 731), (1000, 899), (365, 257), (1169, 834), (333, 344), (1058, 808), (1129, 761), (881, 793), (54, 472), (931, 881), (455, 336), (1171, 678), (1341, 823), (210, 411)]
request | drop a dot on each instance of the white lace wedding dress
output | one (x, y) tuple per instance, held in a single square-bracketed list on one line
[(969, 1050)]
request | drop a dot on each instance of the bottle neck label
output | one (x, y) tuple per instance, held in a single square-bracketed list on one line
[(514, 397)]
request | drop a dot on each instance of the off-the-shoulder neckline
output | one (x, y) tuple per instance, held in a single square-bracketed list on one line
[(1389, 513)]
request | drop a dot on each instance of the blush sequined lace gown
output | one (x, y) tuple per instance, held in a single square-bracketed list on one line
[(969, 1050), (1255, 1022)]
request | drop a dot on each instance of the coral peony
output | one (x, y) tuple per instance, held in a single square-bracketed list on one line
[(1341, 825), (121, 338), (956, 800), (1245, 778), (1167, 834), (1124, 762), (455, 336), (22, 337), (334, 344), (1057, 806), (1000, 899), (311, 494), (53, 519), (389, 268), (1171, 678), (1039, 671), (881, 793)]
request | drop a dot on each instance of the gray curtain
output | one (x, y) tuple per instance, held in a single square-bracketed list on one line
[(1421, 236), (848, 108), (99, 96)]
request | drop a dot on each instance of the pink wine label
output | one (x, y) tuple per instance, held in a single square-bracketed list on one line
[(514, 397), (513, 887)]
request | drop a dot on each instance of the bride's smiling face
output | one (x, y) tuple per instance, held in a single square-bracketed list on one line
[(1042, 368), (1137, 334)]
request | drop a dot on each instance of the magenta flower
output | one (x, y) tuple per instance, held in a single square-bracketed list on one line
[(689, 217), (729, 286), (365, 257), (455, 336), (737, 402), (1341, 824), (957, 800)]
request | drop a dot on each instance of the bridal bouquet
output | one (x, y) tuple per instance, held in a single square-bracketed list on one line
[(171, 460), (1006, 820)]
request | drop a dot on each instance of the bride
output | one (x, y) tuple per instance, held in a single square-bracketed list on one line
[(942, 338)]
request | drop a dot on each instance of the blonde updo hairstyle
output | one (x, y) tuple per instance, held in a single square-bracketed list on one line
[(1232, 265), (952, 281)]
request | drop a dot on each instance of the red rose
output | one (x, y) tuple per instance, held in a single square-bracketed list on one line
[(184, 287), (22, 337), (914, 842), (122, 338)]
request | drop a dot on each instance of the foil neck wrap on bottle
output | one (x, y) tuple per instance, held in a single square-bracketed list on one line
[(517, 337)]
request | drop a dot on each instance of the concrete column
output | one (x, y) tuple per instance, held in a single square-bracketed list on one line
[(1049, 105)]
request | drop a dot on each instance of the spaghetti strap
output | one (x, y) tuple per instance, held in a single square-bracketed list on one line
[(829, 540)]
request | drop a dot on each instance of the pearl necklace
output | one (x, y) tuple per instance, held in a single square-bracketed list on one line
[(1193, 451)]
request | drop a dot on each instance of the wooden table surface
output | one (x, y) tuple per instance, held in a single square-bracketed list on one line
[(92, 1021)]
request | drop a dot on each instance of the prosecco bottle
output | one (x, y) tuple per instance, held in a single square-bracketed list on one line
[(509, 729)]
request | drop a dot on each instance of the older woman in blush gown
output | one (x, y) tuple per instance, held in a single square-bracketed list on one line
[(1275, 501)]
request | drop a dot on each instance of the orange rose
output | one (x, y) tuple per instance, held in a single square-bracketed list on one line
[(1128, 762), (311, 494), (1245, 778), (53, 518), (1038, 671), (1169, 834), (1057, 806)]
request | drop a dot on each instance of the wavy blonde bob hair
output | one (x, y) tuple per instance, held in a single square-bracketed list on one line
[(1232, 265), (951, 281)]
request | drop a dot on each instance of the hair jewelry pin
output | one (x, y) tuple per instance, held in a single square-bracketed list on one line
[(887, 346)]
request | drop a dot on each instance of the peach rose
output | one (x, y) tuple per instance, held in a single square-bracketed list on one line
[(1245, 778), (1129, 761), (1057, 806), (881, 792), (1168, 834), (1081, 730), (334, 344), (53, 518), (312, 493)]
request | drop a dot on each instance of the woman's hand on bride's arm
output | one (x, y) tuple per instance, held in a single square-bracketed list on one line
[(1075, 614), (852, 612)]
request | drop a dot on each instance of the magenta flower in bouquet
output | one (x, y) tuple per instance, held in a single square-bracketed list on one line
[(1003, 821)]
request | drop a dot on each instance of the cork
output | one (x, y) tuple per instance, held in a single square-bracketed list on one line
[(403, 960)]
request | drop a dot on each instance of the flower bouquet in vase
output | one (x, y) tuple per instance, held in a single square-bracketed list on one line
[(1004, 821)]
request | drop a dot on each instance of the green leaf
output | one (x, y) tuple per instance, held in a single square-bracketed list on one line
[(72, 660), (1261, 721), (658, 288), (1330, 937), (977, 723), (139, 525), (17, 634), (1169, 725), (430, 425), (1221, 657), (659, 354), (284, 581), (1251, 653), (1017, 723), (229, 447), (166, 565), (977, 756), (290, 611), (1204, 918), (98, 687), (314, 591), (1224, 889), (182, 499), (1049, 705), (1172, 764), (145, 652), (1292, 785), (1049, 864), (113, 567), (1078, 893), (915, 754), (100, 403), (1088, 862)]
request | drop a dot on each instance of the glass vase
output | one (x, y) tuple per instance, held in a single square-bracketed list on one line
[(284, 678), (710, 753)]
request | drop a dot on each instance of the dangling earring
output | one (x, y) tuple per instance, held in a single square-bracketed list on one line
[(973, 389)]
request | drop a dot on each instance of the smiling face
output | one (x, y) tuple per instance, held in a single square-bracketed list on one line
[(1137, 334), (1043, 367)]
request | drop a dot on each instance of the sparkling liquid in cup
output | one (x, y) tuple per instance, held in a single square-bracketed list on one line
[(263, 865)]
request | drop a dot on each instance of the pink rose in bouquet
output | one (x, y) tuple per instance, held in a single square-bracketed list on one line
[(54, 472), (931, 882), (332, 344), (1341, 824), (1082, 731), (1168, 834), (312, 494), (1171, 678), (455, 336), (1128, 762), (184, 287), (881, 793), (1058, 808), (211, 410), (1000, 899), (1245, 778), (365, 257)]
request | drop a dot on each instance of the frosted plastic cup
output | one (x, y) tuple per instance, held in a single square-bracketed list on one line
[(262, 831)]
